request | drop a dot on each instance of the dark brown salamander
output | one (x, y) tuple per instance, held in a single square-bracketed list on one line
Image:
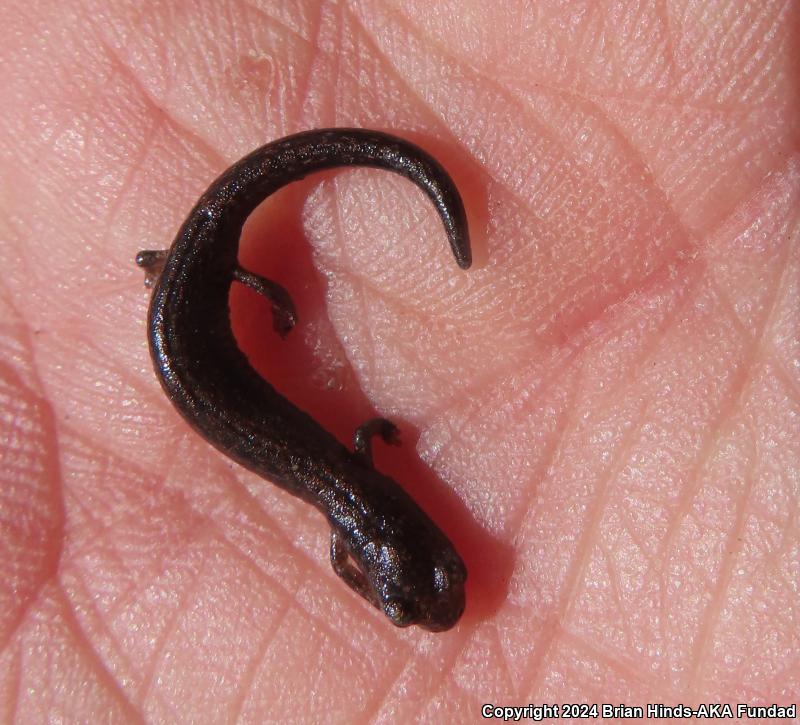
[(382, 544)]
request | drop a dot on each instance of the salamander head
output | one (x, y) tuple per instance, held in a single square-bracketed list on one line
[(387, 549), (419, 584)]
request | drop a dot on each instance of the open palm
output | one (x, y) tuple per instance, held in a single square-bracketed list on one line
[(602, 413)]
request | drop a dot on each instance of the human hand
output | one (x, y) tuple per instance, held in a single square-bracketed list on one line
[(605, 407)]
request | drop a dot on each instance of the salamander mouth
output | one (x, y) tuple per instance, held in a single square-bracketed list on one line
[(435, 614), (444, 612), (443, 621)]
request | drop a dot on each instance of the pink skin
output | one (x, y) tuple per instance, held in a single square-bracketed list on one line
[(602, 413)]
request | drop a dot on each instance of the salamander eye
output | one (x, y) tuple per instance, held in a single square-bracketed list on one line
[(441, 580), (399, 612)]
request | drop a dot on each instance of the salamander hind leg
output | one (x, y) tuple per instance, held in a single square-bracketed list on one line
[(347, 571), (284, 314), (152, 262), (362, 440)]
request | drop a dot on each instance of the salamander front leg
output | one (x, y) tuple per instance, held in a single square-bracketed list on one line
[(352, 576), (362, 440), (284, 314), (152, 262)]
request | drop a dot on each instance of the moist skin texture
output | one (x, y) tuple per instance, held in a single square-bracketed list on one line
[(382, 544), (617, 460)]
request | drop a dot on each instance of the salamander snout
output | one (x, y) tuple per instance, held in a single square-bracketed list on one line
[(435, 600)]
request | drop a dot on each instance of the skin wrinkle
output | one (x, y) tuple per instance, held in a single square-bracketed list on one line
[(435, 684), (552, 451), (648, 682), (225, 19), (265, 578), (736, 535), (516, 682), (137, 166), (785, 377), (774, 558), (487, 383), (669, 45), (704, 640), (101, 533), (706, 450), (276, 22), (576, 572), (750, 29), (366, 328), (635, 537), (759, 59), (701, 42), (104, 675), (174, 430), (364, 283), (575, 347), (616, 588), (260, 513), (740, 209), (201, 527), (782, 523), (475, 405), (671, 100), (642, 167), (322, 623), (40, 410), (239, 699), (671, 530), (576, 576), (441, 130), (99, 620), (588, 18), (587, 39), (167, 634), (616, 592), (339, 12), (524, 110), (523, 203), (198, 76), (394, 14), (159, 111), (443, 673), (549, 630), (495, 82), (334, 636), (783, 372), (304, 88), (120, 603), (200, 530), (272, 584), (19, 621), (373, 706), (17, 683), (652, 348), (539, 476), (504, 662), (84, 389), (27, 347)]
